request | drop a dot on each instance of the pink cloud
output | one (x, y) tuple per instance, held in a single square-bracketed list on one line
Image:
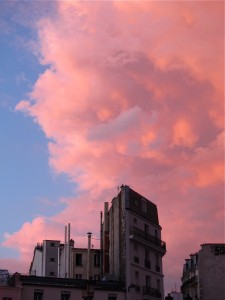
[(133, 95)]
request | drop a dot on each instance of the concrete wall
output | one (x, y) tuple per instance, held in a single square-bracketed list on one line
[(50, 258), (54, 293), (50, 293), (10, 292), (82, 269), (212, 272), (37, 263)]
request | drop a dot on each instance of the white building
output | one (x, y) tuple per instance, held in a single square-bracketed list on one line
[(132, 245), (203, 275), (53, 259)]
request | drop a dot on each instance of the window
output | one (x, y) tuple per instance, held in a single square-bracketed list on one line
[(6, 298), (52, 244), (112, 296), (144, 206), (147, 259), (136, 259), (38, 294), (136, 274), (135, 248), (146, 231), (65, 295), (52, 259), (135, 221), (148, 281), (52, 273), (157, 267), (78, 276), (158, 284), (96, 277), (78, 259), (96, 260)]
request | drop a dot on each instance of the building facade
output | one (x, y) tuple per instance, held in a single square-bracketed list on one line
[(131, 250), (23, 287), (203, 275), (50, 257), (132, 245)]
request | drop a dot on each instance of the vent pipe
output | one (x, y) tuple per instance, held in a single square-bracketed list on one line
[(89, 255), (101, 246), (68, 250), (65, 253)]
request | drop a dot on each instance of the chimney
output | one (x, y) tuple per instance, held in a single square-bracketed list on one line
[(68, 251), (106, 239), (89, 255), (101, 246), (65, 253)]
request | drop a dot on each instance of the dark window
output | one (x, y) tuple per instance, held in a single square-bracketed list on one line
[(148, 281), (6, 298), (135, 221), (78, 259), (38, 294), (65, 295), (144, 206), (96, 260), (52, 273), (147, 259), (52, 244), (157, 267), (96, 277), (112, 296), (52, 259), (78, 276), (136, 278), (158, 285), (146, 231), (136, 259)]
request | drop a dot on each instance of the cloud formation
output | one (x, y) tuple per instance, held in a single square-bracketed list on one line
[(134, 95)]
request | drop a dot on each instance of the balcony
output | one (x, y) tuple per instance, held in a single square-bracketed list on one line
[(146, 238), (189, 282), (147, 290)]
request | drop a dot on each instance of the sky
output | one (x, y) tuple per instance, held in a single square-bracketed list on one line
[(96, 94)]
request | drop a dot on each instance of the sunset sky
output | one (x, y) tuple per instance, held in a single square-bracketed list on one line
[(96, 94)]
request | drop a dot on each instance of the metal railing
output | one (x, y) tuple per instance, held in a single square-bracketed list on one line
[(147, 237), (147, 290)]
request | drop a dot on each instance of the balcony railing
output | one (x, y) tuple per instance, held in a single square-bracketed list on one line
[(147, 290), (189, 282), (147, 237)]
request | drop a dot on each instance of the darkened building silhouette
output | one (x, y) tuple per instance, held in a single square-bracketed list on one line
[(133, 245), (203, 275)]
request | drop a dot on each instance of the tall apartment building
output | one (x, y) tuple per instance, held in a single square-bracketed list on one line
[(132, 245), (203, 275), (130, 253)]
